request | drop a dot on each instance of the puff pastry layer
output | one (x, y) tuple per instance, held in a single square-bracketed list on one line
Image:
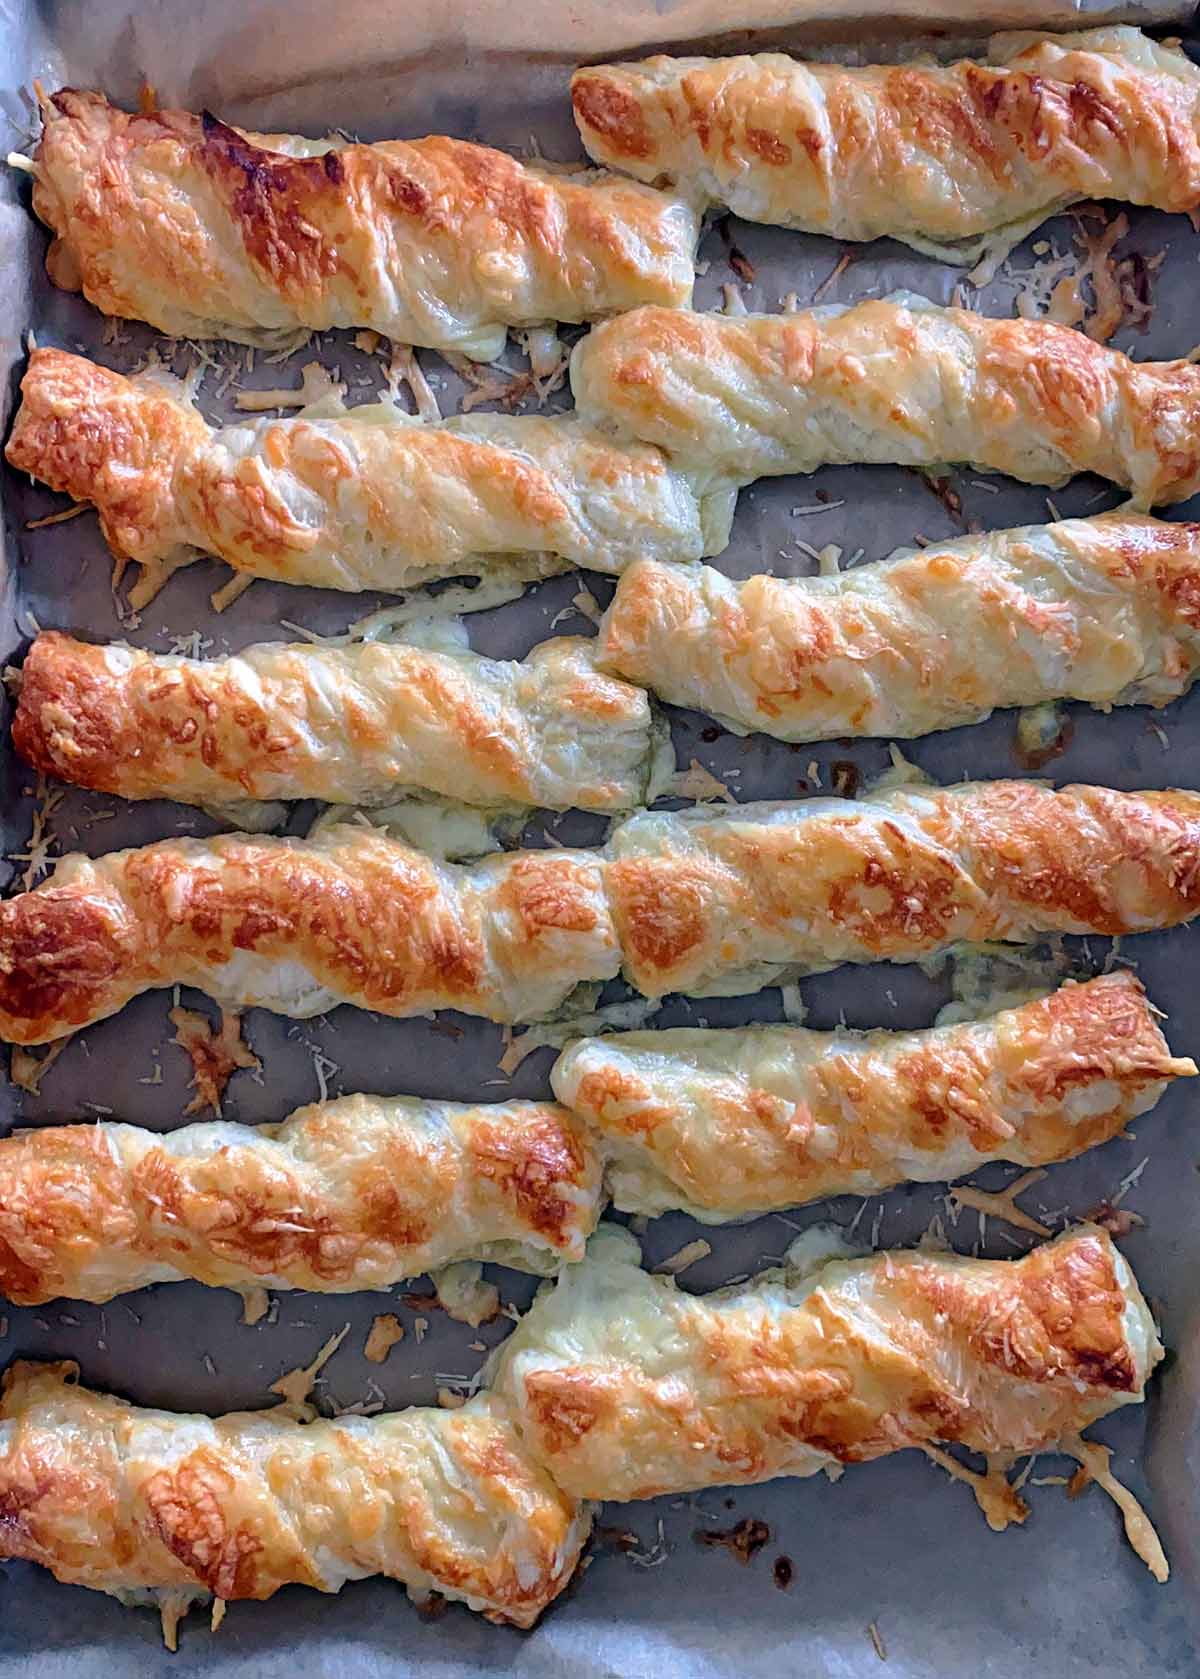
[(726, 1124), (713, 903), (626, 1387), (358, 1193), (351, 725), (149, 1504), (366, 499), (895, 381), (298, 926), (1105, 610), (941, 156), (206, 231)]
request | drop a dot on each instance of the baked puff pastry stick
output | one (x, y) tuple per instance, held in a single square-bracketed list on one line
[(626, 1387), (360, 724), (960, 160), (208, 231), (157, 1507), (298, 926), (895, 381), (719, 903), (1102, 610), (362, 499), (729, 1124), (358, 1193)]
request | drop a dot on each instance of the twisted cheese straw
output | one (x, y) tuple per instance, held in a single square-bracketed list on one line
[(694, 901), (207, 231), (728, 1124), (358, 1193), (174, 1509), (958, 159), (626, 1387), (903, 381), (355, 725), (362, 499), (1103, 610)]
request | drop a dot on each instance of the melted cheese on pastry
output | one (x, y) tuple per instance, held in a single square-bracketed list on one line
[(350, 725), (626, 1387), (897, 381), (727, 1124), (365, 499), (1103, 610), (940, 156), (136, 1502), (720, 902), (209, 232), (298, 926), (358, 1193)]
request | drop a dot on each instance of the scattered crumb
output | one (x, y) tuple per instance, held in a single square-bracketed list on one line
[(744, 1541), (72, 512), (1118, 1221), (782, 1572), (172, 1607), (404, 367), (37, 859), (225, 596), (700, 784), (295, 1386), (876, 1638), (420, 1325), (432, 1607), (215, 1056), (316, 385), (1094, 1460), (463, 1295), (994, 1494), (218, 1614), (843, 262), (587, 605), (256, 1303), (1002, 1203), (449, 1400), (386, 1330), (27, 1070), (687, 1255)]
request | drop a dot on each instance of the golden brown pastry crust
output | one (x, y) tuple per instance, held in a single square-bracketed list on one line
[(129, 1501), (695, 901), (626, 1387), (1105, 610), (358, 1193), (892, 381), (205, 231), (707, 902), (356, 725), (353, 501), (300, 925), (937, 155), (730, 1123)]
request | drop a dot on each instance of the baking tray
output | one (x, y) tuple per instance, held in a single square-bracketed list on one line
[(892, 1546)]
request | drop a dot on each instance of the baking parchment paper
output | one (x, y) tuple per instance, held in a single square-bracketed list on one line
[(893, 1546)]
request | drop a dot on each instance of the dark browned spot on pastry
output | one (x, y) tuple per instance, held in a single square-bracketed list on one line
[(613, 113), (406, 194), (768, 146), (59, 954), (743, 1542), (269, 196)]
